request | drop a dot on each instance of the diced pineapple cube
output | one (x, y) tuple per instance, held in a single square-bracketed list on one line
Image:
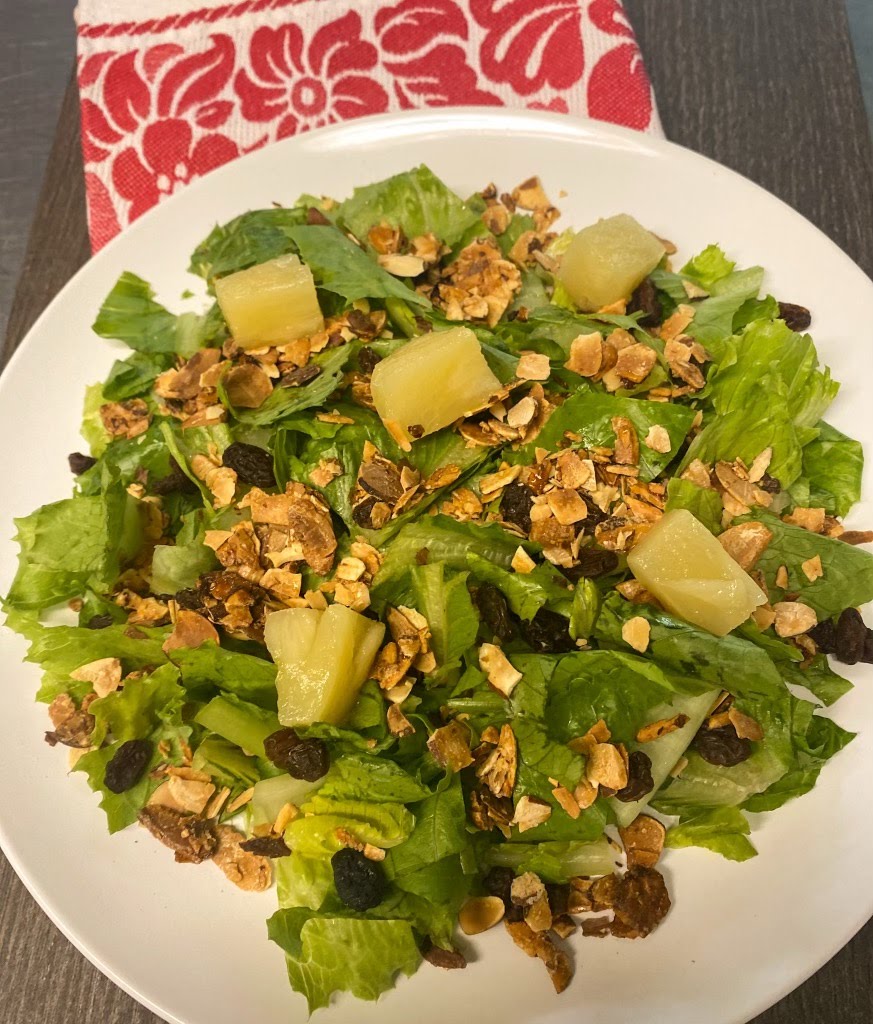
[(432, 381), (607, 260), (691, 574), (271, 303), (323, 658)]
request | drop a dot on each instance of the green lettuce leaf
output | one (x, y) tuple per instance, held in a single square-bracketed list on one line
[(134, 375), (833, 465), (416, 201), (731, 662), (443, 599), (73, 544), (767, 348), (552, 861), (130, 314), (848, 570), (253, 237), (702, 502), (364, 777), (373, 953), (440, 831), (723, 830), (178, 566), (708, 266), (148, 708), (313, 834), (714, 317), (339, 266), (526, 593), (590, 414), (239, 721)]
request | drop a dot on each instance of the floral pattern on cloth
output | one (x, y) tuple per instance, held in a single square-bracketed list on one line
[(189, 86)]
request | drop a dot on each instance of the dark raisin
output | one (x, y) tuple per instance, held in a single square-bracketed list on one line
[(769, 484), (301, 375), (639, 777), (722, 746), (448, 959), (79, 463), (360, 324), (360, 883), (494, 611), (175, 482), (559, 896), (851, 637), (416, 430), (422, 556), (361, 512), (548, 633), (190, 600), (798, 318), (593, 562), (315, 216), (498, 882), (302, 759), (867, 656), (251, 464), (127, 765), (266, 846), (515, 505), (645, 300), (824, 636), (99, 622), (368, 359)]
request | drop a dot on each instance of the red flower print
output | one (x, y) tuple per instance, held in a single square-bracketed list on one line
[(170, 158), (531, 43), (306, 86), (618, 90), (439, 78), (609, 17), (414, 24)]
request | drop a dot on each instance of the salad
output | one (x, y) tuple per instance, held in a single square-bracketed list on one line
[(447, 569)]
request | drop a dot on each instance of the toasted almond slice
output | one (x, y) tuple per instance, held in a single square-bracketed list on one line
[(658, 439), (664, 726), (812, 568), (793, 618), (746, 727), (606, 767), (104, 675), (533, 366), (522, 563), (782, 577), (746, 542), (530, 811), (636, 633), (566, 799), (501, 673), (480, 913)]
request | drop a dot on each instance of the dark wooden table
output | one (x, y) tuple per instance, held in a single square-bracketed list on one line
[(767, 87)]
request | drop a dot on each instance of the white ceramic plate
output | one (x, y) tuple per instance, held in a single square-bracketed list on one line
[(188, 944)]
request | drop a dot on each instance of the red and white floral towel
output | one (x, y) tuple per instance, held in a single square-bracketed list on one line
[(187, 85)]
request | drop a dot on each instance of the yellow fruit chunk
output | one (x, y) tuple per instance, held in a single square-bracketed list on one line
[(323, 658), (607, 260), (431, 381), (685, 567), (271, 303)]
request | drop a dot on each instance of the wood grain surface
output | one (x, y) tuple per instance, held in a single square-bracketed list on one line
[(767, 87)]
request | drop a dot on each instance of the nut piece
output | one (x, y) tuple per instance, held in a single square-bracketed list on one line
[(501, 674), (522, 563), (533, 366), (746, 542), (72, 726), (812, 568), (658, 439), (567, 506), (643, 841), (480, 913), (636, 633), (793, 618), (586, 354), (627, 445), (192, 839), (606, 767), (530, 811), (398, 724), (527, 889), (655, 730), (190, 630), (247, 386), (812, 519), (539, 944), (499, 768), (450, 746), (246, 870), (104, 675), (746, 727)]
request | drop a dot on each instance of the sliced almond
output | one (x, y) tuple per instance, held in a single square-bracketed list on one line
[(636, 633), (586, 354), (793, 618), (530, 811), (533, 366), (522, 563), (480, 913), (812, 568), (745, 726), (401, 265), (658, 439), (606, 767), (566, 506), (782, 577), (566, 799), (746, 542), (664, 726), (500, 671), (104, 675)]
